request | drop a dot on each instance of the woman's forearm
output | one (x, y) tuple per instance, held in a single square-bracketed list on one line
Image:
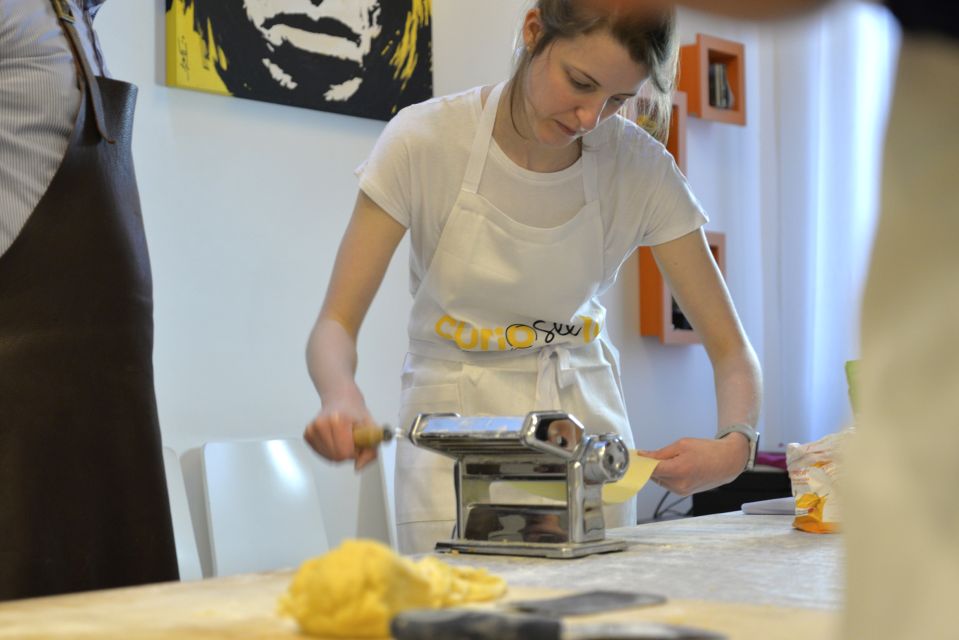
[(738, 381), (362, 259), (331, 359)]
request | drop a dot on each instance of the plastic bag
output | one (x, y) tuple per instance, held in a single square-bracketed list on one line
[(814, 471)]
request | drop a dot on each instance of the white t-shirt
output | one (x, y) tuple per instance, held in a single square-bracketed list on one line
[(416, 170)]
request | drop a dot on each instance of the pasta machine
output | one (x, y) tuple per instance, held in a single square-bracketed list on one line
[(545, 453)]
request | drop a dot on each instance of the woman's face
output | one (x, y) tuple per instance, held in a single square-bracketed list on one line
[(340, 31), (575, 84)]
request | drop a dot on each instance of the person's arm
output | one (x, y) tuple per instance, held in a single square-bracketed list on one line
[(694, 464), (364, 254)]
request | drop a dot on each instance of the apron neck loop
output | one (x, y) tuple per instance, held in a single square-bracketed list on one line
[(481, 141), (553, 373), (85, 75), (480, 149), (590, 174)]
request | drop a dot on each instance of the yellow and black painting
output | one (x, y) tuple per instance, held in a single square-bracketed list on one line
[(367, 58)]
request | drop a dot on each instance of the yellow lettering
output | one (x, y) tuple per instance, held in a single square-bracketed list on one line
[(485, 335), (517, 341), (467, 337), (590, 329), (440, 329), (458, 336)]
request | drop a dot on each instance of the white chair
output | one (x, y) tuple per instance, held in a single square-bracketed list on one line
[(387, 468), (187, 556), (263, 506)]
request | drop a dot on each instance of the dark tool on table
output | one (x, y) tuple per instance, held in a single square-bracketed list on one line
[(543, 448), (453, 624), (587, 602)]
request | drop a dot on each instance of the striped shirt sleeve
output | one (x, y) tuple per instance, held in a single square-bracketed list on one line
[(39, 100)]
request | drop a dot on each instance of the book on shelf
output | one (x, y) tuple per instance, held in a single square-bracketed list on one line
[(720, 93)]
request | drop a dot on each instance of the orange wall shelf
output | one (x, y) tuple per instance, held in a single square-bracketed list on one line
[(659, 314), (694, 61), (676, 142)]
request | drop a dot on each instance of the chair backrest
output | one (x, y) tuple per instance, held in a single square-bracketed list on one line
[(263, 505), (187, 556), (387, 470)]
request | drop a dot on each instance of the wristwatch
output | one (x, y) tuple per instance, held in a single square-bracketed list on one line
[(751, 434)]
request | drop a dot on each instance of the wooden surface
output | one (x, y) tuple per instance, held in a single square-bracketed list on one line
[(749, 577), (244, 607)]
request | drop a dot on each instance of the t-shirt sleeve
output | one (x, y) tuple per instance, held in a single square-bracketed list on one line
[(649, 200), (385, 176), (672, 209)]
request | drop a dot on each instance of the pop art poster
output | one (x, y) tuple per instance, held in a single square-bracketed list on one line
[(366, 58)]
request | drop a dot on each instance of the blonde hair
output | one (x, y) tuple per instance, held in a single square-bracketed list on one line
[(649, 36)]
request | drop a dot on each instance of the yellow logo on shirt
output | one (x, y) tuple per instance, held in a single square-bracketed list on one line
[(512, 337)]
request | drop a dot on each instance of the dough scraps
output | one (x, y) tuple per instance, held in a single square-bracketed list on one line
[(355, 590)]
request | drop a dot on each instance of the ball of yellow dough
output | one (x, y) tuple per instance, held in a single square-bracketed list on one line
[(355, 590)]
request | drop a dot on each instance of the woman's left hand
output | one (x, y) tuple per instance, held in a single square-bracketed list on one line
[(691, 465)]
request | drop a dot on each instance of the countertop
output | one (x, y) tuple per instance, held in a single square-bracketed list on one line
[(728, 557), (746, 576)]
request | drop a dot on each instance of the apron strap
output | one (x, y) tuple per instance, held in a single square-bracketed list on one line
[(65, 14), (553, 373), (484, 133), (590, 174), (480, 148)]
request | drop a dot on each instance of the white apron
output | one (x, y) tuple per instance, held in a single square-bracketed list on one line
[(505, 321)]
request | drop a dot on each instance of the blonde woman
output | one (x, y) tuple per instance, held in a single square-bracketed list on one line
[(523, 200)]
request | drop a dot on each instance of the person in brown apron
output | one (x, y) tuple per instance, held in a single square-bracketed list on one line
[(83, 498)]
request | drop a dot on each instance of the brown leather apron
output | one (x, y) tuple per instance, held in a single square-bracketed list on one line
[(83, 498)]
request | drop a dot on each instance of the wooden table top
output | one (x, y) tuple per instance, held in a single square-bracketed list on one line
[(245, 607)]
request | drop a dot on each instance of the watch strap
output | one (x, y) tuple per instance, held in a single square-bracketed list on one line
[(751, 435)]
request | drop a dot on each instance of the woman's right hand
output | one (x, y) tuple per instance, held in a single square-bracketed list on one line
[(364, 254), (330, 434)]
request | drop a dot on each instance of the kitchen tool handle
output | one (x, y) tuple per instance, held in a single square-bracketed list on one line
[(433, 624), (371, 435)]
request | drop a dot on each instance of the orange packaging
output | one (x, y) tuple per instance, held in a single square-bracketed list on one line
[(814, 469)]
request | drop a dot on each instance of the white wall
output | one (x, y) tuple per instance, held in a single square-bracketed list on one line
[(669, 389), (244, 204)]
